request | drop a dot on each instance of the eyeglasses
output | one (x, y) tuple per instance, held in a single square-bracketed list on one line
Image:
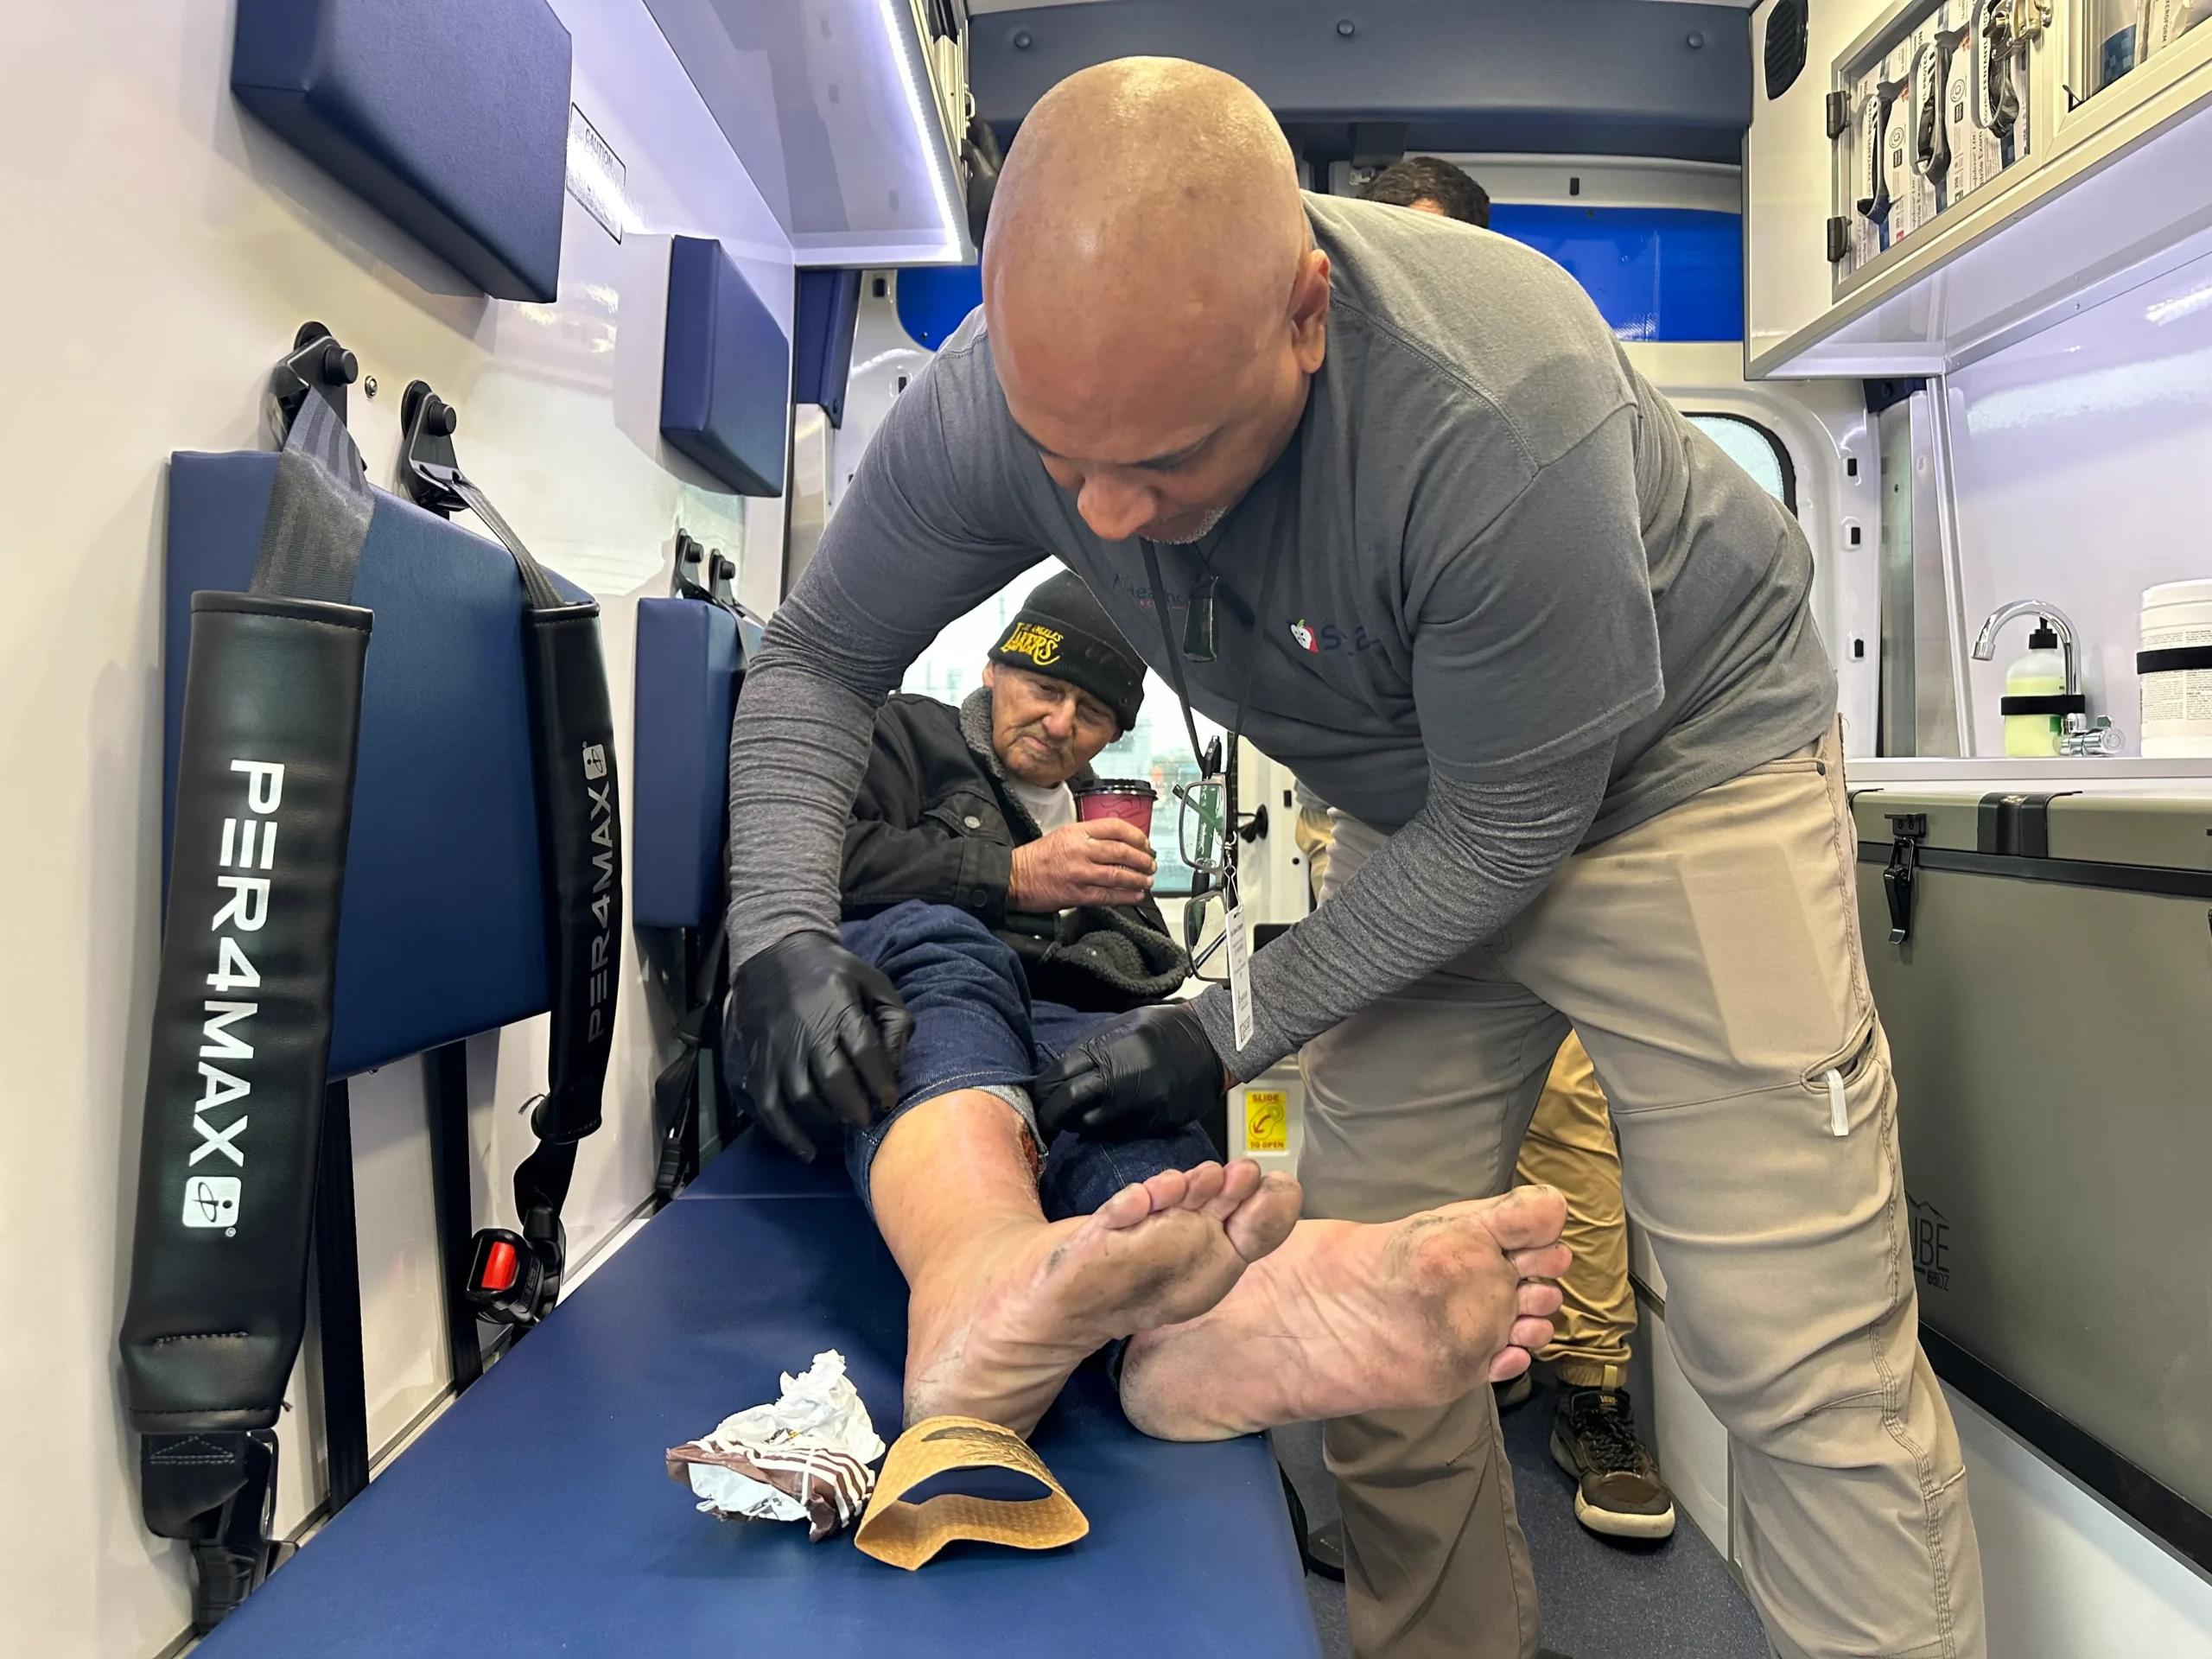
[(1194, 929), (1202, 825)]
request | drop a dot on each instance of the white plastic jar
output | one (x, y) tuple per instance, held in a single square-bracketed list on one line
[(2177, 702)]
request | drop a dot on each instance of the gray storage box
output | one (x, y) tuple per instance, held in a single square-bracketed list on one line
[(2048, 1009)]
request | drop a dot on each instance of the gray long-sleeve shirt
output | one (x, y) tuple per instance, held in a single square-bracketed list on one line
[(1523, 606)]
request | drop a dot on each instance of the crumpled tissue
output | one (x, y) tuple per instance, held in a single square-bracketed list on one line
[(806, 1457)]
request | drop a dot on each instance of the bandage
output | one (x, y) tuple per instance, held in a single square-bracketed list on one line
[(908, 1535)]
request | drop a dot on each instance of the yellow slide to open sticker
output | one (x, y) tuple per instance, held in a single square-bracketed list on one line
[(934, 1456)]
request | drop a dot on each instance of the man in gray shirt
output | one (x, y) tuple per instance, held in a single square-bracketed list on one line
[(1548, 653)]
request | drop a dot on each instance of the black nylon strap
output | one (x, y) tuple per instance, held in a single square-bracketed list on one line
[(319, 511), (338, 1306), (535, 582), (573, 766), (2174, 659), (676, 1107), (236, 1072)]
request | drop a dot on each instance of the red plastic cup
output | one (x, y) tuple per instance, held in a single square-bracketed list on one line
[(1128, 800)]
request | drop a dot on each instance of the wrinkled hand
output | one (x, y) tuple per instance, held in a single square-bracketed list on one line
[(824, 1033), (1106, 861), (1147, 1074)]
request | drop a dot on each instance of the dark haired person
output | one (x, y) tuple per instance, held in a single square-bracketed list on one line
[(1434, 186)]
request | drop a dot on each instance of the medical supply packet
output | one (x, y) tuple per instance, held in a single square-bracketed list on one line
[(806, 1457)]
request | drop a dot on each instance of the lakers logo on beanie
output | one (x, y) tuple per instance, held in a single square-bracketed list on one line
[(1040, 644), (1063, 632)]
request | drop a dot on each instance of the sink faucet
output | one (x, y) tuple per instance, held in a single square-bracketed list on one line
[(2078, 734)]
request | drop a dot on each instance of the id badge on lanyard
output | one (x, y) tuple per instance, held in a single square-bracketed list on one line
[(1240, 973), (1217, 783)]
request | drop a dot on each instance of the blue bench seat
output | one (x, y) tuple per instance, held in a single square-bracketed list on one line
[(535, 1516)]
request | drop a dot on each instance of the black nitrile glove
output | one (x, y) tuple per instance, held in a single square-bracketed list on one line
[(824, 1033), (1147, 1074)]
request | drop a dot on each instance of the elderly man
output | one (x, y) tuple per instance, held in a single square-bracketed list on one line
[(974, 807), (1383, 491), (1008, 930)]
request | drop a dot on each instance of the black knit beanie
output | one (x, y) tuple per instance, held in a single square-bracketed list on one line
[(1062, 633)]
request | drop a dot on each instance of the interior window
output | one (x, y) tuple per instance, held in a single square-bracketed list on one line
[(1156, 748), (1756, 450)]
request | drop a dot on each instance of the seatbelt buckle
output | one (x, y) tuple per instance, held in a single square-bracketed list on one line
[(217, 1492), (508, 1283)]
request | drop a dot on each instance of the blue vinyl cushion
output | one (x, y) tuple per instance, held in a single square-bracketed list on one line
[(687, 658), (452, 120), (442, 932), (828, 307), (536, 1517), (725, 371)]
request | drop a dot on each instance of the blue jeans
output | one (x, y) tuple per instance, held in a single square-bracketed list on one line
[(975, 1027)]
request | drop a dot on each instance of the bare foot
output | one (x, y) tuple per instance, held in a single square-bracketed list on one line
[(994, 1328), (1345, 1318)]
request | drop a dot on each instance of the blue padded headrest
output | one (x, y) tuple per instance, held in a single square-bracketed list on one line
[(443, 929), (451, 120), (725, 371), (688, 660), (821, 330)]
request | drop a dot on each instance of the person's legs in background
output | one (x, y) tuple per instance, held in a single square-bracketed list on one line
[(1570, 1146)]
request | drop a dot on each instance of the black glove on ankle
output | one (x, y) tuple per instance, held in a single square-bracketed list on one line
[(1151, 1072), (822, 1033)]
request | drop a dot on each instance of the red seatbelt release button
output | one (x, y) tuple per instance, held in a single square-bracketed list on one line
[(500, 1267)]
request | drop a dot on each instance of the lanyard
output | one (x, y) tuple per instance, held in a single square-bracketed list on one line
[(1175, 657), (1277, 544)]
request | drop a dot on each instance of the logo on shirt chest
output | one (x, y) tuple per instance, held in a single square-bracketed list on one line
[(1319, 636)]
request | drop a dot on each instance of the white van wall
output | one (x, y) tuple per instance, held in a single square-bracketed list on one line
[(2080, 462), (162, 250)]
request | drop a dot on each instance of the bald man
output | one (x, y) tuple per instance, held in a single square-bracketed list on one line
[(1549, 654)]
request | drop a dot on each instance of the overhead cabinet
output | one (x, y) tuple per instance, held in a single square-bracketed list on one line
[(1946, 176)]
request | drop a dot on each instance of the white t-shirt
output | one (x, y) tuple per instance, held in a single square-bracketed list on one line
[(1050, 807)]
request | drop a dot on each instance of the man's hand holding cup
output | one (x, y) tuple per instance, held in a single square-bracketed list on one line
[(1101, 862)]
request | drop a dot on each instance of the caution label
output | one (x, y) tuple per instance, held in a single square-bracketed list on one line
[(1266, 1121)]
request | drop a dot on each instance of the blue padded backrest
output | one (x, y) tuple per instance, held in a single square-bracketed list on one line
[(452, 120), (821, 328), (725, 371), (1656, 273), (688, 660), (443, 929)]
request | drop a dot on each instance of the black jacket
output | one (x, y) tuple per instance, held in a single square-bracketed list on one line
[(934, 821)]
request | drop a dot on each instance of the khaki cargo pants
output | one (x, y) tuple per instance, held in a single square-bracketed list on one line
[(1710, 961)]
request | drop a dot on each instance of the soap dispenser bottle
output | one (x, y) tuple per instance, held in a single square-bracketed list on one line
[(2041, 673)]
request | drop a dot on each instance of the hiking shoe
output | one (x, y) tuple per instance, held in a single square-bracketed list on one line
[(1618, 1489), (1515, 1391)]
